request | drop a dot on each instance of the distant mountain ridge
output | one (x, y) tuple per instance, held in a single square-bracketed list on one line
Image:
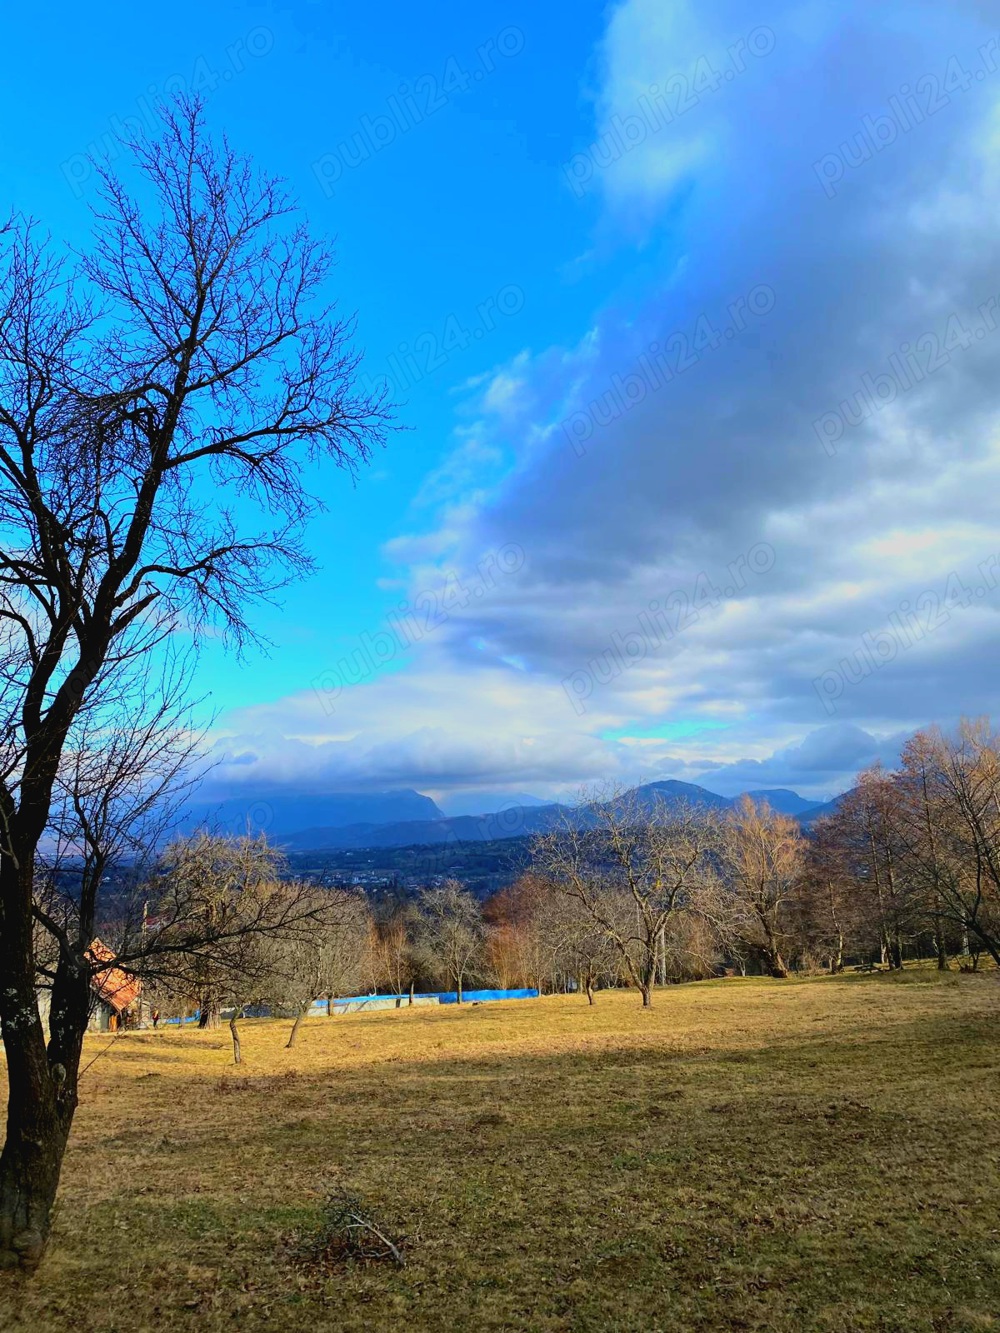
[(784, 801), (522, 821), (280, 813), (404, 817), (809, 817)]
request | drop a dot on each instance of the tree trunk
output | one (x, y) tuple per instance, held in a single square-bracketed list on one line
[(29, 1166), (209, 1013), (837, 961), (940, 943), (775, 964), (295, 1027), (237, 1053), (42, 1091), (458, 990), (410, 1000), (590, 989), (647, 995), (990, 942)]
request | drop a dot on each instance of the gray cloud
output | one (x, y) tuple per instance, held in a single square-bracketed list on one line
[(850, 426), (897, 264)]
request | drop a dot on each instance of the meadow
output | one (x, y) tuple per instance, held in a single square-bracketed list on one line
[(750, 1154)]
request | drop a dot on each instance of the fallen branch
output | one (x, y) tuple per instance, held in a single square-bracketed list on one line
[(357, 1223)]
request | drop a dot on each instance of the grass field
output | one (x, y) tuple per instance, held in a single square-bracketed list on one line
[(751, 1154)]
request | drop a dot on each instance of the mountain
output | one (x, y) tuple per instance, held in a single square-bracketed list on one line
[(782, 800), (819, 811), (671, 791), (516, 822), (512, 822), (355, 820), (280, 812)]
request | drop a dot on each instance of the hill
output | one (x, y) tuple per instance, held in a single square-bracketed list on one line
[(785, 1156)]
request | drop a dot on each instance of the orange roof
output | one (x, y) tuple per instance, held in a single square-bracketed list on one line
[(116, 987)]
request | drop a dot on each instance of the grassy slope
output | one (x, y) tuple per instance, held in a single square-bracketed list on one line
[(750, 1155)]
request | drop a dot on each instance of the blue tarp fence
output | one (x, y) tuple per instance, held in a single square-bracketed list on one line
[(484, 996), (343, 1003), (355, 1002)]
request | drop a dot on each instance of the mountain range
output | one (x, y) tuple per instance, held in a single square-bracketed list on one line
[(347, 820), (280, 813)]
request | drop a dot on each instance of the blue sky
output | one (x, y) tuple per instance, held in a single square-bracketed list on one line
[(467, 204), (638, 272)]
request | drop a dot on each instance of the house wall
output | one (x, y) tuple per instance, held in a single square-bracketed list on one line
[(100, 1017)]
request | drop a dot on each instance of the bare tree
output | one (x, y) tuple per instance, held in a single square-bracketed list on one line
[(631, 865), (392, 945), (866, 835), (762, 855), (824, 921), (450, 931), (950, 798), (185, 358), (525, 934), (129, 762), (216, 921), (585, 951), (325, 960), (213, 902)]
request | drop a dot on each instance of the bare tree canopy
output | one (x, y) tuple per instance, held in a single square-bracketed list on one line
[(450, 932), (762, 856), (632, 866), (154, 392)]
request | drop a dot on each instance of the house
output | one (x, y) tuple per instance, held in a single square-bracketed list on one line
[(117, 994)]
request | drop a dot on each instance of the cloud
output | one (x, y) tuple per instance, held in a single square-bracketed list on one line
[(824, 762), (759, 488)]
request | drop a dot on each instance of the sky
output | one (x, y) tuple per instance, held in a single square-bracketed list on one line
[(691, 313)]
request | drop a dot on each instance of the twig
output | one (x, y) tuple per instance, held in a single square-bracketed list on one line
[(360, 1223), (98, 1056)]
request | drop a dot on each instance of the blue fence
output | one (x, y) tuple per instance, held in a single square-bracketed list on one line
[(484, 996), (352, 1003)]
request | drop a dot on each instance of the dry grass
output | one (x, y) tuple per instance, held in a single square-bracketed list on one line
[(817, 1155)]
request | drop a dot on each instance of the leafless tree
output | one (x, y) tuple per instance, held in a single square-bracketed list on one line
[(824, 920), (631, 865), (325, 960), (585, 952), (392, 946), (450, 931), (130, 761), (210, 905), (950, 801), (762, 855), (526, 934), (152, 392), (865, 833)]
